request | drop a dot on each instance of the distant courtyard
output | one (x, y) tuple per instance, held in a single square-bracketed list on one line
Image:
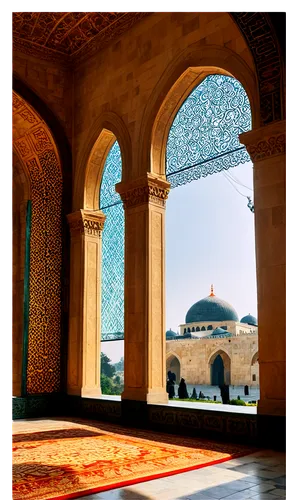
[(234, 391)]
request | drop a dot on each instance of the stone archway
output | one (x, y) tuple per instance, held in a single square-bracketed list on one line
[(86, 226), (217, 371), (59, 133), (91, 159), (182, 75), (173, 364), (37, 153), (254, 370), (220, 368)]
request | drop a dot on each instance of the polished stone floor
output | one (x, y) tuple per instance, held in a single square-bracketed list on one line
[(260, 476)]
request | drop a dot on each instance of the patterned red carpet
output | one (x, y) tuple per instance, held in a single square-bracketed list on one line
[(60, 459)]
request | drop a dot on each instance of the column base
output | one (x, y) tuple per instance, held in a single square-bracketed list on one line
[(156, 397), (85, 392), (273, 407), (271, 423), (91, 392), (160, 397), (271, 431)]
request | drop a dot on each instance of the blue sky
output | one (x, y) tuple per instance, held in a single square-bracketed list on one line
[(209, 239)]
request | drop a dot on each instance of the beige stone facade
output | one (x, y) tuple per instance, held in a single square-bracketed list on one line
[(195, 356), (203, 328)]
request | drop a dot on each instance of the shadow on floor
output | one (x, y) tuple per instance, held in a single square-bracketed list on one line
[(161, 437), (54, 434)]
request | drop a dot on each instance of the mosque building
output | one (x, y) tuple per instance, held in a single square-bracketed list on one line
[(214, 346)]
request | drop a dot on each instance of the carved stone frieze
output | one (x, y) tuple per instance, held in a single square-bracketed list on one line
[(269, 147), (265, 142), (86, 222), (144, 190)]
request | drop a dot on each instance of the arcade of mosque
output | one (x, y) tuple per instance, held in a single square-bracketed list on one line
[(85, 84), (214, 346)]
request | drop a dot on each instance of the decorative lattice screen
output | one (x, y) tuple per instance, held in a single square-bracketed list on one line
[(203, 139)]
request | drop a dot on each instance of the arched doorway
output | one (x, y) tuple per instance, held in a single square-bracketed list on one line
[(174, 365), (203, 139), (37, 253), (220, 368), (217, 371), (254, 370)]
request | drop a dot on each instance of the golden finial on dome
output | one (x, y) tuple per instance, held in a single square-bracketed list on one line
[(212, 291)]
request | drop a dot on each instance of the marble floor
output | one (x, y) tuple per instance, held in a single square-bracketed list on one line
[(259, 476)]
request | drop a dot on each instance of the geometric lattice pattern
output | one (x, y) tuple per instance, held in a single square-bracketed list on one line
[(35, 146), (112, 292), (203, 138), (45, 275)]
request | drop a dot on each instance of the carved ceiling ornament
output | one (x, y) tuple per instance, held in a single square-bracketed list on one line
[(86, 222), (144, 190), (60, 36), (73, 37)]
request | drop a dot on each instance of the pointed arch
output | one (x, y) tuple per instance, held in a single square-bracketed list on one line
[(254, 358), (174, 364), (182, 75), (170, 354), (108, 128), (34, 145), (57, 131), (226, 360), (254, 370), (219, 351), (63, 148)]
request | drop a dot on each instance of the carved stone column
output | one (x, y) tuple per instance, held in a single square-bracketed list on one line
[(83, 376), (266, 147), (144, 324)]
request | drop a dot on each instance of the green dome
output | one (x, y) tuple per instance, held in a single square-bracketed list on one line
[(170, 334), (218, 333), (249, 319), (211, 308)]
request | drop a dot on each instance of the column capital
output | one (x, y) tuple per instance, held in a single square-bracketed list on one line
[(147, 189), (89, 222), (266, 141)]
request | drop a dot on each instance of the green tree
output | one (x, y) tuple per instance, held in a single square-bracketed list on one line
[(119, 366), (106, 384), (106, 368)]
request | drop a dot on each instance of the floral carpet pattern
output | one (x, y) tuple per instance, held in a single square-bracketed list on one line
[(67, 458)]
